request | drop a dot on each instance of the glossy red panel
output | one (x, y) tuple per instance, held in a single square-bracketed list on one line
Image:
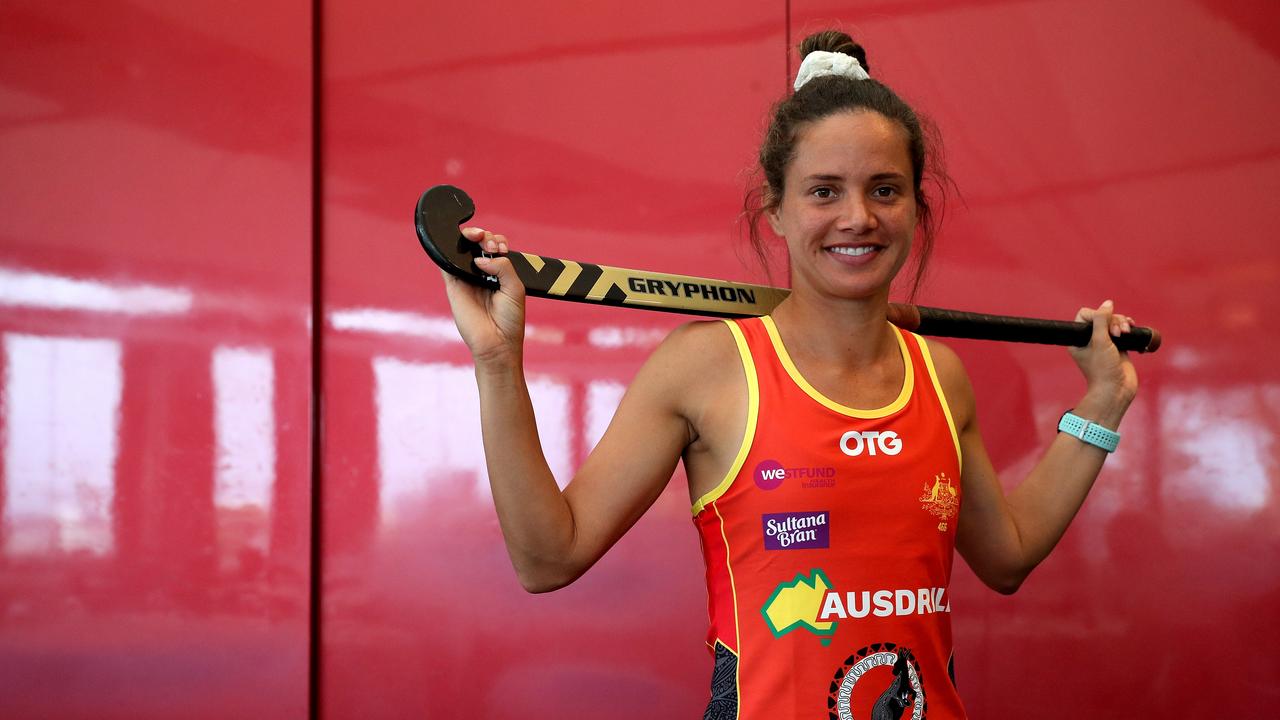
[(1126, 151), (599, 131), (1101, 151), (155, 358), (154, 302)]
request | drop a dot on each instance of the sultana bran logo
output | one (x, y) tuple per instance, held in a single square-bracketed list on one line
[(796, 530)]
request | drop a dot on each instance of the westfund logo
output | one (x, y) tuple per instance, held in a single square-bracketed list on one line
[(796, 531)]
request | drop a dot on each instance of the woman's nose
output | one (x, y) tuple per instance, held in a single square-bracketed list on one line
[(857, 215)]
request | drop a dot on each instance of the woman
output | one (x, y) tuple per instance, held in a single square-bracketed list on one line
[(827, 473)]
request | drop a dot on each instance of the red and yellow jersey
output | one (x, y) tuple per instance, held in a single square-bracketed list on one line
[(829, 546)]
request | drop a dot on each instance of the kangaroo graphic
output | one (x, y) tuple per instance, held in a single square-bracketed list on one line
[(932, 497), (942, 501), (899, 695)]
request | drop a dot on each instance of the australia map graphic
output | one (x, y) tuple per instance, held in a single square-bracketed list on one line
[(795, 605)]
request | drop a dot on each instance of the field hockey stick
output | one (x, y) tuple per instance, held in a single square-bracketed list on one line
[(443, 208)]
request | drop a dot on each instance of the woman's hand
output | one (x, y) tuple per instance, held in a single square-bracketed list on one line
[(491, 322), (1109, 374), (1003, 537)]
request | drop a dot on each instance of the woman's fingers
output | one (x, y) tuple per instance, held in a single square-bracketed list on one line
[(1114, 323), (1100, 317), (501, 267), (490, 243)]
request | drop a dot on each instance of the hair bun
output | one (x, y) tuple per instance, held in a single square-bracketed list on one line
[(835, 41)]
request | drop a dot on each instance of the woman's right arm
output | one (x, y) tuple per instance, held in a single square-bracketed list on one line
[(553, 537)]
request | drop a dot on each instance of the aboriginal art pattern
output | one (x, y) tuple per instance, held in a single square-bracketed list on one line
[(724, 686)]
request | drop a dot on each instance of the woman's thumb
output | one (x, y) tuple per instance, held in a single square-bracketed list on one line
[(1102, 321), (501, 267)]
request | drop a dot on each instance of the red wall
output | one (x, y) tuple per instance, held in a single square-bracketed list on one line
[(154, 292), (157, 262)]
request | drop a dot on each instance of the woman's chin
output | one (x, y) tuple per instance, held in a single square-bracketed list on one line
[(847, 289)]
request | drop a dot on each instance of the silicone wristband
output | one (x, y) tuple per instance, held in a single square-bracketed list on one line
[(1089, 432)]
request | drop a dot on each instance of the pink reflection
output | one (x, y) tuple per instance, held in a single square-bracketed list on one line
[(395, 322), (611, 337), (603, 397), (58, 292), (61, 404), (437, 328), (429, 431), (245, 430), (1224, 456)]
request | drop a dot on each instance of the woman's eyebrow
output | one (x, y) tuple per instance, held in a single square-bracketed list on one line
[(826, 177)]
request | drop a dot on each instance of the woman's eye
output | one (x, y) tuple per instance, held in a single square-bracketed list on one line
[(884, 191), (824, 192)]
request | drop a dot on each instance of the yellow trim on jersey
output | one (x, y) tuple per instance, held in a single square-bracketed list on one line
[(908, 381), (728, 649), (937, 386), (749, 433), (733, 588)]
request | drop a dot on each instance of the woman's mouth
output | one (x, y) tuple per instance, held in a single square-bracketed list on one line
[(854, 254)]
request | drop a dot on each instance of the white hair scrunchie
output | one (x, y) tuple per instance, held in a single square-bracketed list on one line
[(821, 62)]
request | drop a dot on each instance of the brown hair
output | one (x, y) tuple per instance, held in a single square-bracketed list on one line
[(828, 95)]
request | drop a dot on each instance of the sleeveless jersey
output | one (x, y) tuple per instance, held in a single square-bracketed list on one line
[(829, 546)]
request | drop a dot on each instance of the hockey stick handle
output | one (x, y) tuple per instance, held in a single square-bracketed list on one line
[(443, 208), (939, 322)]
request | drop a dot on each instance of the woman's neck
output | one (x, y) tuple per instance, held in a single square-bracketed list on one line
[(851, 333)]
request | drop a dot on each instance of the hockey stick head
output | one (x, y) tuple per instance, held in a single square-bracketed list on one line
[(440, 211)]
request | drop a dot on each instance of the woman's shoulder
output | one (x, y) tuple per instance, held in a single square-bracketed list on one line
[(691, 366), (706, 385), (697, 347), (708, 333), (954, 379)]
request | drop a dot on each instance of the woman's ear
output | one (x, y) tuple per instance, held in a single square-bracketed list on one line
[(772, 208)]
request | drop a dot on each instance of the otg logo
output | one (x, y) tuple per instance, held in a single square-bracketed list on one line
[(853, 442)]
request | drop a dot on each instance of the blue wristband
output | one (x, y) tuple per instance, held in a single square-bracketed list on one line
[(1089, 432)]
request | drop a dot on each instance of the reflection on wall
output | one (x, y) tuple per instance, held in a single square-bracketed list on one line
[(58, 292), (603, 397), (429, 432), (61, 404), (612, 337), (245, 430), (437, 328), (1225, 455), (395, 322)]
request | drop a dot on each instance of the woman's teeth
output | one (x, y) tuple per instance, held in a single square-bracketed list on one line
[(855, 251)]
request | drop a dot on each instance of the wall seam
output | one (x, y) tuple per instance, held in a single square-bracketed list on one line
[(786, 45), (315, 623)]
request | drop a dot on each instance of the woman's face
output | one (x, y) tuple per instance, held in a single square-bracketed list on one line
[(848, 210)]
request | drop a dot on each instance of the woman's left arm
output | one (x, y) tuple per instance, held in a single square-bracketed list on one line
[(1004, 537)]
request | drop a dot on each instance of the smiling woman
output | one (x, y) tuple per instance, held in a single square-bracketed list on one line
[(837, 457), (822, 93), (848, 200)]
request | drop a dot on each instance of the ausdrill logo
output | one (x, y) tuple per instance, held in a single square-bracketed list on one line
[(769, 474)]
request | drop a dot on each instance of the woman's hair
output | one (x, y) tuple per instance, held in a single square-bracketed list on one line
[(828, 95)]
